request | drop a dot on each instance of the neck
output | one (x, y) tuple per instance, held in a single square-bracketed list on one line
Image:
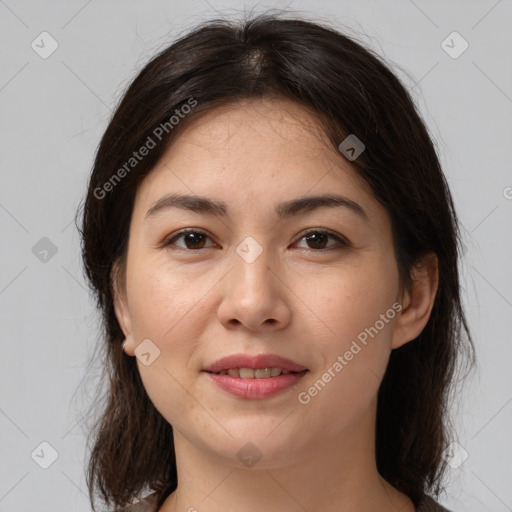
[(329, 476)]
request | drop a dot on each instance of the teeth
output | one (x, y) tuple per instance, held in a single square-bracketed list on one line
[(250, 373), (246, 373)]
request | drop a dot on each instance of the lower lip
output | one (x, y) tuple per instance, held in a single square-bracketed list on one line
[(256, 388)]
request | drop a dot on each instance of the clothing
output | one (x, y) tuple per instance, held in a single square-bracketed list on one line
[(427, 504)]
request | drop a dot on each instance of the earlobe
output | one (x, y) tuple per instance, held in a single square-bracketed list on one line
[(121, 307), (418, 301)]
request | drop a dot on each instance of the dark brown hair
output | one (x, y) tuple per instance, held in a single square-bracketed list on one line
[(351, 91)]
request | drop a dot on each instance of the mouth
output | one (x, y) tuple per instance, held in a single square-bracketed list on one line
[(256, 373), (244, 383), (259, 366), (255, 376)]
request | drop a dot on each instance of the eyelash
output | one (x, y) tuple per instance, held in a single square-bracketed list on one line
[(343, 243)]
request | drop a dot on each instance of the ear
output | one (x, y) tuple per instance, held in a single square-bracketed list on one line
[(417, 303), (117, 279)]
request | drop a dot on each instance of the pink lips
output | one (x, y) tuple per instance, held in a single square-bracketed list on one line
[(258, 361), (255, 388)]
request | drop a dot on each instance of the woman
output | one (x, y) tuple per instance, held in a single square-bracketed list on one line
[(274, 250)]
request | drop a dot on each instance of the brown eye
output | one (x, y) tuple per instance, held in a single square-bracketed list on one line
[(318, 240), (192, 239)]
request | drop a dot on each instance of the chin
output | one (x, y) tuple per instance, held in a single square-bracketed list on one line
[(255, 448)]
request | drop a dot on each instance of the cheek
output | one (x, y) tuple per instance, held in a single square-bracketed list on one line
[(355, 340), (166, 302), (162, 315), (350, 301), (170, 308)]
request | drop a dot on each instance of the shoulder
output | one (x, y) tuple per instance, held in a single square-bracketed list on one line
[(147, 504), (427, 504)]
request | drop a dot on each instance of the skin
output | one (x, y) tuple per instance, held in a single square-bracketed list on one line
[(304, 301)]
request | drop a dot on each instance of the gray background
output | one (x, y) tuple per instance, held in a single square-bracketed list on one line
[(53, 112)]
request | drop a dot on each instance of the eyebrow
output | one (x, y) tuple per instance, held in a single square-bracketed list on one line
[(283, 210)]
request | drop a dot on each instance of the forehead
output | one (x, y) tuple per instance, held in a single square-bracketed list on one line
[(253, 152), (277, 121)]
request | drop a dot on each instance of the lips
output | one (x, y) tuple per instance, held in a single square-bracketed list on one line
[(256, 362)]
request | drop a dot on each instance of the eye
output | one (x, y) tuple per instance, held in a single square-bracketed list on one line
[(318, 239), (193, 239)]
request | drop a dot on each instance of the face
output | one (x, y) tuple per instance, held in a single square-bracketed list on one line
[(317, 285)]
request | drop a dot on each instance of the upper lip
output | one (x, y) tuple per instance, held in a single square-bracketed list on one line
[(256, 361)]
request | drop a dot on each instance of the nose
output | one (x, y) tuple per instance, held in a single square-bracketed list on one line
[(254, 295)]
